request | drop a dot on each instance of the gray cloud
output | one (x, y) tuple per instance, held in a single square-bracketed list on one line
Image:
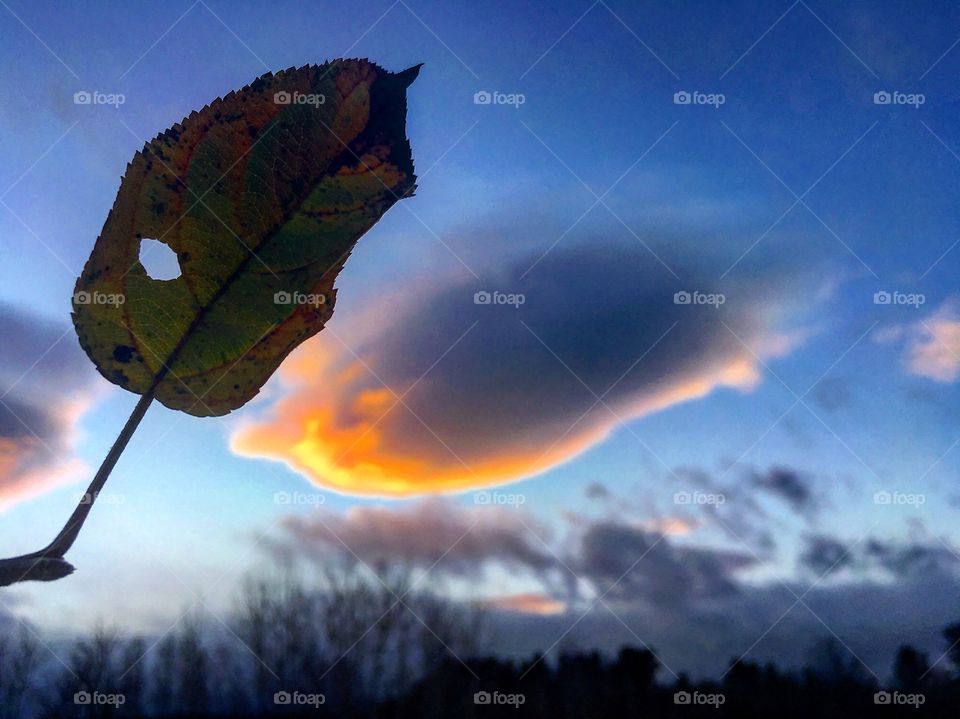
[(589, 314), (692, 604), (832, 394), (901, 559), (44, 385), (789, 485), (597, 490), (824, 555), (458, 540), (760, 623), (740, 516), (910, 558), (632, 564)]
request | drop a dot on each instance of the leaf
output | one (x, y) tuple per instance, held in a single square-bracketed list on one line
[(262, 195)]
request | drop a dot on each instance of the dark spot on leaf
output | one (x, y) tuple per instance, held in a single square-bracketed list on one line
[(123, 353)]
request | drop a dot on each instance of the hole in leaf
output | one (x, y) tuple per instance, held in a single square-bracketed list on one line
[(159, 260)]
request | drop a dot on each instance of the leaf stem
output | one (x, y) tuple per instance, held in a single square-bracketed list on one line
[(38, 565), (60, 545)]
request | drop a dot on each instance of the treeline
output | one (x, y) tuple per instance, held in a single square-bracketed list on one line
[(586, 685), (351, 646), (346, 641)]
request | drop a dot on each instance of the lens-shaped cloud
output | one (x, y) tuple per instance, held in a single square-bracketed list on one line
[(467, 383)]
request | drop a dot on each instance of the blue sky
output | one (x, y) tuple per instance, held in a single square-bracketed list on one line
[(798, 198)]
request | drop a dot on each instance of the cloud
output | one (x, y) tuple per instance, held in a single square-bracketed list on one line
[(934, 348), (628, 563), (761, 623), (825, 555), (910, 558), (492, 392), (697, 606), (740, 514), (787, 484), (898, 559), (597, 490), (528, 603), (432, 533), (44, 389), (694, 608), (832, 394)]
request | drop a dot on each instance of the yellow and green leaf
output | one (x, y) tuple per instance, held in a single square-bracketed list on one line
[(263, 192)]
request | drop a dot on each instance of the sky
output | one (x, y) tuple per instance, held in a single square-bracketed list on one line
[(710, 408)]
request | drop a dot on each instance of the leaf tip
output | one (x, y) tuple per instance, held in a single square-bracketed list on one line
[(410, 74)]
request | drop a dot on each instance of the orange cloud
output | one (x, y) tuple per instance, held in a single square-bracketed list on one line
[(337, 425), (31, 466), (530, 603), (670, 526)]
